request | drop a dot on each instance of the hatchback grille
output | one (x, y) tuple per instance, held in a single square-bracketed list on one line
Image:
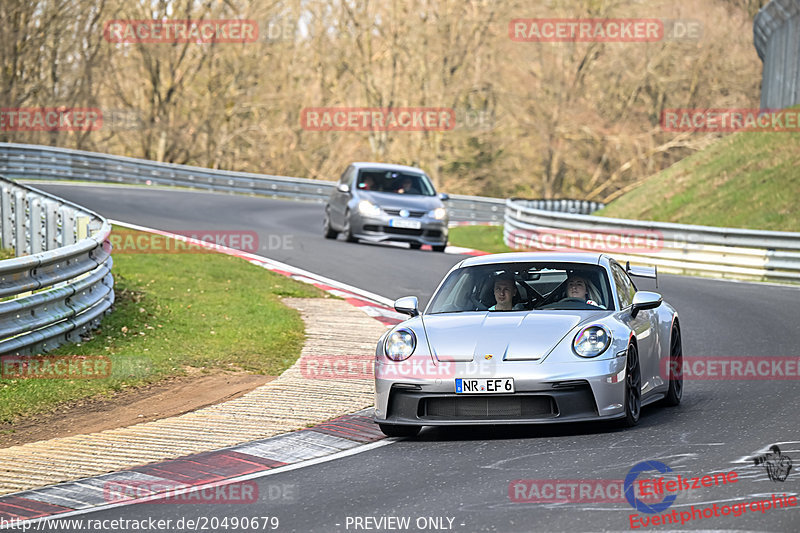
[(474, 407), (402, 231), (411, 214)]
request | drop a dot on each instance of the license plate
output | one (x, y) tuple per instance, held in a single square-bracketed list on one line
[(402, 223), (484, 386)]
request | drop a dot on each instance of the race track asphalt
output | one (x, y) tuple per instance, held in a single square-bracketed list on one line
[(464, 474)]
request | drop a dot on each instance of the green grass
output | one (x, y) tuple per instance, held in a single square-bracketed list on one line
[(177, 313), (6, 253), (484, 238), (745, 180)]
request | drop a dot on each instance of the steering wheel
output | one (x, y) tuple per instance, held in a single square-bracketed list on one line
[(479, 305)]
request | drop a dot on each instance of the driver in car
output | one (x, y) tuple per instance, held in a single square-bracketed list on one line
[(505, 288), (578, 287)]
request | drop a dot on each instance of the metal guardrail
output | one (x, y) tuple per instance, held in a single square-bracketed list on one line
[(776, 36), (60, 283), (26, 161), (673, 248)]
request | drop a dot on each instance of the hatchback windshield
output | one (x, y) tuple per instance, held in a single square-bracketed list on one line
[(395, 182), (524, 287)]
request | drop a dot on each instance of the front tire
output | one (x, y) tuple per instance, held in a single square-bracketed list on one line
[(675, 391), (348, 234), (327, 230), (633, 388), (392, 430)]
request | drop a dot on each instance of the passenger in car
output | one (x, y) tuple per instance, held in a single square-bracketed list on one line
[(405, 186), (578, 287)]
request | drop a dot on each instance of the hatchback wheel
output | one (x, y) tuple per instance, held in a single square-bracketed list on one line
[(327, 230), (348, 234)]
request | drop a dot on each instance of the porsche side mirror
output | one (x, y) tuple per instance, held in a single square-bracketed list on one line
[(408, 305), (643, 300), (343, 187)]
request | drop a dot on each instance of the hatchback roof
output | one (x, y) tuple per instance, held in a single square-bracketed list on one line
[(387, 166)]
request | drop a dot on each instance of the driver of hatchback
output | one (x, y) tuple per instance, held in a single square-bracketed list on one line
[(578, 287)]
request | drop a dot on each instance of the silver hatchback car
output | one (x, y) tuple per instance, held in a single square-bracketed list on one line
[(378, 202)]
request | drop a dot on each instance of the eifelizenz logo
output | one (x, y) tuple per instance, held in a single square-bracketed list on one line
[(777, 464)]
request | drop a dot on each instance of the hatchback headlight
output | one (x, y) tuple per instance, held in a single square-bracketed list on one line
[(591, 341), (439, 213), (368, 209), (400, 344)]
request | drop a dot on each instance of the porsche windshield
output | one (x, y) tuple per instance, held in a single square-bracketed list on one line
[(524, 287)]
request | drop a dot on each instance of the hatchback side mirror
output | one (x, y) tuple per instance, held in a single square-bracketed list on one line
[(443, 196), (343, 187), (408, 305), (644, 300)]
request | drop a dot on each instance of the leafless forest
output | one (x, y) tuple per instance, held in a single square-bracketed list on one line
[(574, 119)]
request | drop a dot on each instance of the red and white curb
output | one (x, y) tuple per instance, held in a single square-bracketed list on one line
[(188, 479)]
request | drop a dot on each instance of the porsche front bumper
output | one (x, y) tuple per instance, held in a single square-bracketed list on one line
[(544, 394)]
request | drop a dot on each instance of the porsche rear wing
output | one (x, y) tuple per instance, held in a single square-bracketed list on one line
[(642, 271)]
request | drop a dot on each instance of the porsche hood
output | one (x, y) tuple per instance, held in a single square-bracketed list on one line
[(507, 336)]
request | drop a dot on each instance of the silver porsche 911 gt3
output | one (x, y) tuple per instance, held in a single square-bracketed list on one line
[(529, 338)]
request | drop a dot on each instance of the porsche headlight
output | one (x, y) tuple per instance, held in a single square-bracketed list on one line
[(591, 341), (400, 344), (368, 209), (439, 213)]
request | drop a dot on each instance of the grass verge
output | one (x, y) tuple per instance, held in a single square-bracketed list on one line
[(176, 314), (484, 238), (745, 180)]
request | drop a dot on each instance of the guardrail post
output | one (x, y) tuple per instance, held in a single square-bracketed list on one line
[(67, 226), (6, 218), (20, 223), (37, 235), (50, 225)]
